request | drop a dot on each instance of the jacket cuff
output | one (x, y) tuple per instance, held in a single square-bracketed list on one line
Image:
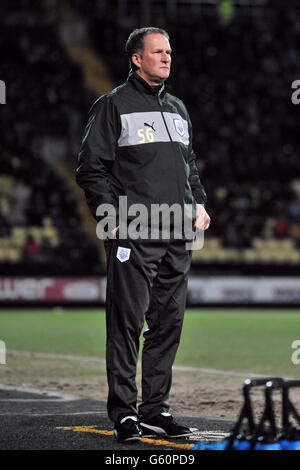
[(199, 197)]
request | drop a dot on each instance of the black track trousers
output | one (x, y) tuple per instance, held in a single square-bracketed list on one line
[(150, 286)]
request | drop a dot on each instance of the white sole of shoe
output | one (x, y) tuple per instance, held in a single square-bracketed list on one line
[(135, 438), (161, 432), (155, 429)]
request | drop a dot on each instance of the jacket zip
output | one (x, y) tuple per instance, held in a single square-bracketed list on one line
[(160, 104), (166, 127), (171, 140)]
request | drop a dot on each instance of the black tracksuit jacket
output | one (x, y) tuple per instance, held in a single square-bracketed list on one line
[(138, 143)]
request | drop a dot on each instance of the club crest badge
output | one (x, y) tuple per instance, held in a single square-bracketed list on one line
[(179, 127), (123, 254)]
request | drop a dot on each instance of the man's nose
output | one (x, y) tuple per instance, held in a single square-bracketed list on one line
[(166, 58)]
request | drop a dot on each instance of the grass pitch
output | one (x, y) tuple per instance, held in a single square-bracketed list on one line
[(236, 340)]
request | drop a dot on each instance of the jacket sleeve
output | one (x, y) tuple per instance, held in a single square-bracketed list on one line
[(97, 154), (194, 179)]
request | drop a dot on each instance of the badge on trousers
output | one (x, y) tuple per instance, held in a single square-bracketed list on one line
[(123, 254)]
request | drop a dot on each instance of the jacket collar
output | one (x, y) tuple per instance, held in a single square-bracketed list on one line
[(140, 84)]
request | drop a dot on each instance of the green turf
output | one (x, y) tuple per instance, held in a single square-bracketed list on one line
[(244, 340)]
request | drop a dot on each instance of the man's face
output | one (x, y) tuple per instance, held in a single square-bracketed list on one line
[(155, 60)]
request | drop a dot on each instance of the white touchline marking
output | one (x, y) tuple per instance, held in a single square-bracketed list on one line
[(54, 396), (209, 434), (221, 372), (217, 433), (93, 426), (101, 361), (42, 355)]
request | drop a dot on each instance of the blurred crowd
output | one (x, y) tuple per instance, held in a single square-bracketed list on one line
[(45, 97), (235, 80), (39, 221)]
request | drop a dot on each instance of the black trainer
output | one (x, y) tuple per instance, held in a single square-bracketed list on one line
[(163, 425), (128, 430)]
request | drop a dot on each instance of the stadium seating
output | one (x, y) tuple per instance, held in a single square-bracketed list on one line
[(238, 77), (41, 231), (235, 80)]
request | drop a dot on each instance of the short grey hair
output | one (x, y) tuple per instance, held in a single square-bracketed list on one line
[(135, 41)]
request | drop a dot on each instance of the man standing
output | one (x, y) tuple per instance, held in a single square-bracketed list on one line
[(138, 144)]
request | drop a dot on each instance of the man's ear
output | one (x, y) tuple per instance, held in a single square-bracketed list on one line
[(136, 59)]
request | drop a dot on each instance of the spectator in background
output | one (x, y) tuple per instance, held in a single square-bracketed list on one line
[(31, 250)]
